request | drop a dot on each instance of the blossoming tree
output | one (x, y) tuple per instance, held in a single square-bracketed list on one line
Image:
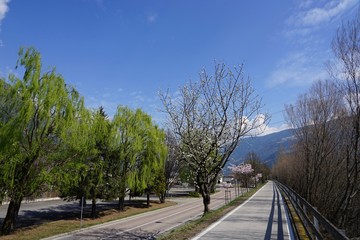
[(209, 118), (243, 172)]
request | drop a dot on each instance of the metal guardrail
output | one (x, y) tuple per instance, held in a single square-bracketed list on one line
[(316, 224)]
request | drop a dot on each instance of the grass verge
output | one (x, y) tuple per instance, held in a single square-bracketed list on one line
[(63, 226), (194, 227)]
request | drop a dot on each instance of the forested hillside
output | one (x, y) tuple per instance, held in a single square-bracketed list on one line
[(266, 147)]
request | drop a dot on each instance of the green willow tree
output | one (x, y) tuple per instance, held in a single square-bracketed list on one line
[(125, 146), (138, 150), (151, 159), (77, 147), (35, 112), (101, 130), (85, 147)]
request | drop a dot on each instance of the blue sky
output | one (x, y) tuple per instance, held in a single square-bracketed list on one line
[(124, 52)]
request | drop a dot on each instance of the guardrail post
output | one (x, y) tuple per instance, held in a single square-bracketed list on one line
[(316, 225), (312, 219)]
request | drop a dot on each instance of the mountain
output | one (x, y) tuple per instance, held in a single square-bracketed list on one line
[(266, 147)]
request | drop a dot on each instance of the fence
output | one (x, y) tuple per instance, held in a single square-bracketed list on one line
[(317, 226), (41, 197)]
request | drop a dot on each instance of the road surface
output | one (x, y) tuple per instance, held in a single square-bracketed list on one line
[(261, 217), (150, 224)]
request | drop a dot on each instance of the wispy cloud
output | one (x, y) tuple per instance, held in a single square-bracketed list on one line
[(312, 14), (151, 17), (305, 31), (110, 99), (7, 71), (325, 13), (298, 69)]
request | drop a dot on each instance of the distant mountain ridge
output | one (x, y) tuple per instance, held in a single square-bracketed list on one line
[(266, 147)]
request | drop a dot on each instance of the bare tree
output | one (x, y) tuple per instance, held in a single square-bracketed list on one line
[(314, 118), (288, 169), (346, 69), (209, 118)]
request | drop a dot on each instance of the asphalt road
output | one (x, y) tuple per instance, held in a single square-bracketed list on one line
[(261, 217), (150, 224), (33, 213)]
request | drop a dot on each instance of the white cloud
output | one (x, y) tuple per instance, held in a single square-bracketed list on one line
[(311, 16), (4, 8), (261, 127), (268, 130)]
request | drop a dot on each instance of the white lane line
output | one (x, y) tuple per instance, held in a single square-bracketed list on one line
[(159, 219), (226, 216), (189, 219), (116, 222), (156, 220)]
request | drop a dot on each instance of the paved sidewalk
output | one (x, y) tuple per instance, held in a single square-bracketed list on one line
[(261, 217)]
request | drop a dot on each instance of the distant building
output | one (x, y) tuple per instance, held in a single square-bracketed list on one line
[(226, 179)]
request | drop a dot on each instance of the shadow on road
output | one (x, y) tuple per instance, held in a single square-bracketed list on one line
[(67, 211), (118, 234)]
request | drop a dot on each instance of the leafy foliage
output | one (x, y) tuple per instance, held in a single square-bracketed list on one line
[(35, 113), (48, 139)]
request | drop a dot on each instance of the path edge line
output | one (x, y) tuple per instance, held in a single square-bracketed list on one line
[(226, 216)]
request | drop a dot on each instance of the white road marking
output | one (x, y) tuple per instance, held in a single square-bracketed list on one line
[(226, 216)]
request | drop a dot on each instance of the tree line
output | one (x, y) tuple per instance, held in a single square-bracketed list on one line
[(50, 140), (324, 165)]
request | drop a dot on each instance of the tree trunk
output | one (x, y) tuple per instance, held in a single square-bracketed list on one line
[(204, 189), (11, 216), (148, 199), (162, 197), (206, 202), (93, 203), (121, 204), (93, 208)]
